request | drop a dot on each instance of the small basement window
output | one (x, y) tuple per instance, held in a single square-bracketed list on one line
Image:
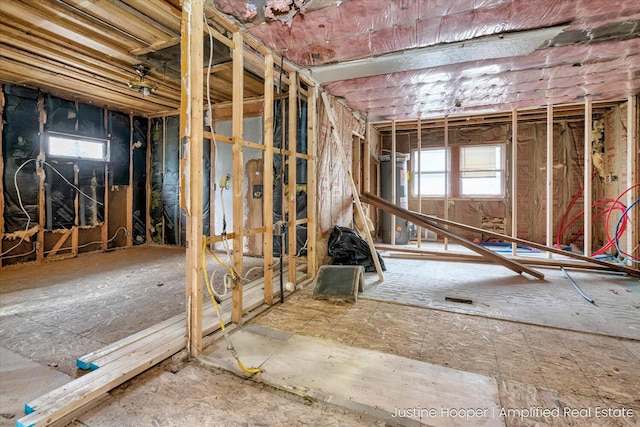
[(77, 147)]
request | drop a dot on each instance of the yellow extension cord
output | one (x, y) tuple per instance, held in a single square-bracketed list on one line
[(230, 347)]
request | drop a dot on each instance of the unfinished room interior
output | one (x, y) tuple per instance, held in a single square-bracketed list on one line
[(319, 212)]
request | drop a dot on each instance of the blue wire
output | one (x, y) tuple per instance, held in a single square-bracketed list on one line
[(617, 240)]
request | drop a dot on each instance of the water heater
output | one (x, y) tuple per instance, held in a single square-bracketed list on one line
[(402, 197)]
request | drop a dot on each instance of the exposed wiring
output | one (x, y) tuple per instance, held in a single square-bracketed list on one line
[(72, 185), (209, 105), (23, 209), (625, 255), (20, 255), (26, 229), (230, 347)]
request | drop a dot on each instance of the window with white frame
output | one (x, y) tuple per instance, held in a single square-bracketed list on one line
[(429, 170), (77, 147), (481, 170)]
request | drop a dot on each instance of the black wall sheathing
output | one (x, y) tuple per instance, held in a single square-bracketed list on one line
[(20, 142), (91, 121), (91, 182), (62, 115), (206, 190), (59, 196), (157, 154), (140, 130), (88, 120), (280, 174), (120, 131), (171, 181)]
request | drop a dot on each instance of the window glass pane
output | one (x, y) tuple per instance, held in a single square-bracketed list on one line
[(432, 160), (431, 184), (71, 147), (485, 184), (472, 158)]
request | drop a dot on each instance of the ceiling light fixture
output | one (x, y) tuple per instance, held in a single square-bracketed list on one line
[(142, 86)]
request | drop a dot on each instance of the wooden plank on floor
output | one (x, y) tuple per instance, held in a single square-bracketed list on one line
[(85, 362), (616, 267), (418, 220), (68, 398), (124, 363)]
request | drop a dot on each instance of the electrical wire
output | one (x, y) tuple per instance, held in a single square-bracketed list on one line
[(26, 229), (72, 185), (625, 255), (230, 347)]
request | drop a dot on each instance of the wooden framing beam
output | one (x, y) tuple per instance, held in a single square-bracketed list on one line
[(440, 221), (41, 175), (104, 232), (291, 171), (633, 151), (354, 190), (588, 167), (514, 178), (238, 176), (417, 177), (130, 187), (312, 203), (430, 225), (267, 193), (147, 185), (447, 179), (76, 217), (59, 243), (191, 124), (394, 182), (549, 178)]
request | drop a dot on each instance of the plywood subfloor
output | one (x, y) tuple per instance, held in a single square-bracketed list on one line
[(534, 366), (376, 383), (500, 293), (42, 313)]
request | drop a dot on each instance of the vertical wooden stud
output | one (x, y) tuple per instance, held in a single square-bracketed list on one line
[(191, 133), (147, 185), (130, 187), (549, 178), (105, 222), (394, 180), (41, 175), (633, 151), (447, 178), (588, 166), (267, 182), (76, 216), (418, 176), (293, 160), (312, 181), (238, 176), (514, 179)]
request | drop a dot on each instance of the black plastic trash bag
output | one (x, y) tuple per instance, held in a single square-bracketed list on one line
[(346, 247)]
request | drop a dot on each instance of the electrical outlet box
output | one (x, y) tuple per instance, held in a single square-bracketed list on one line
[(279, 228), (225, 181)]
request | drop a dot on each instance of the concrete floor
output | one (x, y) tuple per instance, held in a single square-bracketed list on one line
[(52, 313)]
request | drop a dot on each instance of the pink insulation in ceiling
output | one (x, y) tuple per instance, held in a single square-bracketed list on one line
[(595, 53)]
